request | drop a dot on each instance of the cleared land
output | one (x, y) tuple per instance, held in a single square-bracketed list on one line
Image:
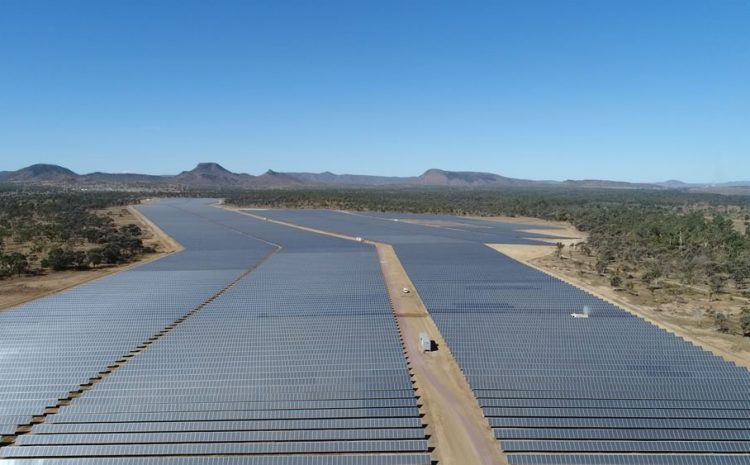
[(17, 290)]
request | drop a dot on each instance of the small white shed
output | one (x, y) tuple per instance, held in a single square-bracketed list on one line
[(425, 343)]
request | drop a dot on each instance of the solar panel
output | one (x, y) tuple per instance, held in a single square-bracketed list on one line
[(302, 357), (547, 382), (299, 357)]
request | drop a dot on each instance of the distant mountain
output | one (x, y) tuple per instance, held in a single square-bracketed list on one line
[(603, 184), (273, 180), (122, 178), (674, 184), (41, 173), (352, 179), (436, 177), (432, 177), (213, 175), (723, 188)]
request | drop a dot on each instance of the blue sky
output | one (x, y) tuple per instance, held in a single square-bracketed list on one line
[(626, 90)]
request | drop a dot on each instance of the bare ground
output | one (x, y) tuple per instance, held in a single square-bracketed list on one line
[(18, 290)]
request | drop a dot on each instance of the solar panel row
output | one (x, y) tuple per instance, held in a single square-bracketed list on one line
[(299, 358), (553, 386), (276, 365), (53, 345), (383, 228), (555, 380), (343, 459)]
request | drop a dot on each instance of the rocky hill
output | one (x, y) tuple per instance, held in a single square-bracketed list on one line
[(213, 175)]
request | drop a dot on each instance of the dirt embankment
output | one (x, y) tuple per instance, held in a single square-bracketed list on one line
[(17, 290)]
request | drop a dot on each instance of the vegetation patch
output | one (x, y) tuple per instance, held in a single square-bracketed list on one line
[(63, 230)]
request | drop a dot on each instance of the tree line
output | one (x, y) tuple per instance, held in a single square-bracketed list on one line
[(633, 234), (61, 230)]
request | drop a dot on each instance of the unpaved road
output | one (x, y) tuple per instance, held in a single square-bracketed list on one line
[(459, 432)]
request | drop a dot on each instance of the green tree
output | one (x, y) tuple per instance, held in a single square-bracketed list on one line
[(61, 259), (722, 322), (112, 254), (94, 257), (716, 283), (559, 249), (745, 324), (14, 263)]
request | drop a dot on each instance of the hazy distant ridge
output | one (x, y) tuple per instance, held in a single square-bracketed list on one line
[(214, 175)]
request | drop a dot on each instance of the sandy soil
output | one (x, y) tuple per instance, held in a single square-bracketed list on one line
[(526, 220), (684, 324), (524, 253), (15, 291), (566, 236)]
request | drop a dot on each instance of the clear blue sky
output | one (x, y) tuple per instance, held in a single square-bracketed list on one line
[(626, 90)]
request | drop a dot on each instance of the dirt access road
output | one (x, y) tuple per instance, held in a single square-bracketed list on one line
[(459, 432)]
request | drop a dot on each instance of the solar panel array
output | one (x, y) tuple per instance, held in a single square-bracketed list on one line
[(383, 228), (52, 345), (609, 389), (298, 363), (553, 384)]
